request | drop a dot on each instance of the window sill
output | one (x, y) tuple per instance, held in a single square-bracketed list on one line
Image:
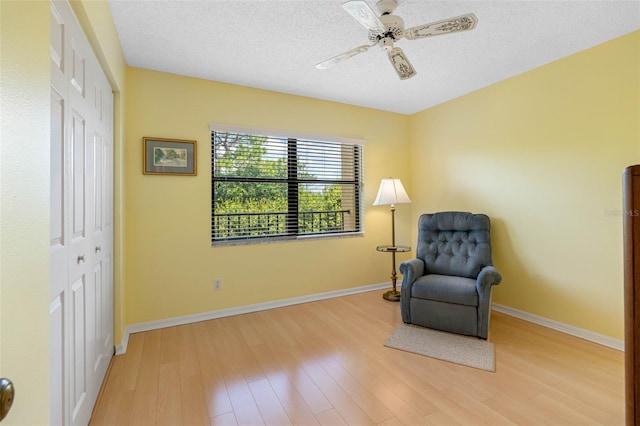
[(276, 240)]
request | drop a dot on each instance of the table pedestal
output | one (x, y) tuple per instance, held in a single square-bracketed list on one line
[(393, 294)]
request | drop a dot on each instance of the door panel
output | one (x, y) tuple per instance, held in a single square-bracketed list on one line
[(57, 170), (108, 187), (78, 188), (98, 183), (81, 279), (77, 66), (107, 309), (58, 249), (98, 102), (58, 266), (57, 40), (59, 225), (58, 53), (78, 377), (101, 247), (98, 317), (56, 359)]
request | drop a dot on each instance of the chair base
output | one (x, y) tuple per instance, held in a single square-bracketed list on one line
[(450, 317), (392, 295)]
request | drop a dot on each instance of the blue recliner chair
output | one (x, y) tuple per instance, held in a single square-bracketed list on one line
[(448, 286)]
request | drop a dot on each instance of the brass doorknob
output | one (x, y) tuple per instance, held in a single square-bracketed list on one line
[(6, 397)]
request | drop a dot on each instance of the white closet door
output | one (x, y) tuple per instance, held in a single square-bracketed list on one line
[(101, 248), (59, 253), (81, 307)]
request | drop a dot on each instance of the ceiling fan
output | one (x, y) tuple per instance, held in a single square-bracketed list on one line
[(385, 30)]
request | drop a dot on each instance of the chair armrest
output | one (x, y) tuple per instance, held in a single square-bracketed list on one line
[(487, 278), (411, 270)]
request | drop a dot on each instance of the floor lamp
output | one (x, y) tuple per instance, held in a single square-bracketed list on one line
[(391, 192)]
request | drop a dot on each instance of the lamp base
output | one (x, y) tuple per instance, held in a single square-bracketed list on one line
[(392, 295)]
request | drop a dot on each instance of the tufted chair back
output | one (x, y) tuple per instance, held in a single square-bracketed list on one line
[(454, 243)]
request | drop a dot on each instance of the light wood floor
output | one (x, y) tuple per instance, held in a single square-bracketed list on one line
[(324, 363)]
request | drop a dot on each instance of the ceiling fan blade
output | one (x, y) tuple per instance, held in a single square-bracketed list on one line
[(343, 57), (401, 64), (361, 11), (446, 26)]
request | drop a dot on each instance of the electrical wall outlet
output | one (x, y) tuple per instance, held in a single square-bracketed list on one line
[(217, 284)]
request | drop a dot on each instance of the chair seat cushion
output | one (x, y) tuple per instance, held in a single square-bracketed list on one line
[(445, 288)]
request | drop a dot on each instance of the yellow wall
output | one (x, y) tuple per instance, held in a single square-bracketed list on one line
[(24, 190), (24, 212), (170, 264), (542, 154)]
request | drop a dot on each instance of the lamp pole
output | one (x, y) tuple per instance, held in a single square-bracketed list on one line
[(393, 294), (392, 192), (393, 228)]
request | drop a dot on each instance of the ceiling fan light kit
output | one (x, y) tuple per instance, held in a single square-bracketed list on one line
[(388, 28)]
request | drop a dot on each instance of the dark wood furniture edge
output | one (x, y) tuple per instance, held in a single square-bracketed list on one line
[(631, 215)]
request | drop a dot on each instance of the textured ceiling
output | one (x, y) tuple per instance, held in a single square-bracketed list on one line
[(275, 45)]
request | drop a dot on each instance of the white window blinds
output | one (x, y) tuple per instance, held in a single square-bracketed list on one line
[(274, 187)]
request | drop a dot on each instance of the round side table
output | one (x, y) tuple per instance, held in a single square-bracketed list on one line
[(393, 294)]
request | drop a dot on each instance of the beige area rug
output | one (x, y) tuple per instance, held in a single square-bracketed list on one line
[(464, 350)]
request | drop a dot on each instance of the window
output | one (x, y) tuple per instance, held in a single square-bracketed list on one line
[(267, 186)]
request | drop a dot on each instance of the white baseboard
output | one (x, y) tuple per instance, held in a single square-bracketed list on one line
[(559, 326), (188, 319)]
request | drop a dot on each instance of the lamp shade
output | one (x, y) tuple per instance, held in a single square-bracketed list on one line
[(392, 192)]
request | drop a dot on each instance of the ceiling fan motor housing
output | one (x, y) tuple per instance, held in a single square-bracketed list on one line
[(386, 7), (393, 31)]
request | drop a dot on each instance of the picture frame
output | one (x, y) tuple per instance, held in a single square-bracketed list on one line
[(161, 156)]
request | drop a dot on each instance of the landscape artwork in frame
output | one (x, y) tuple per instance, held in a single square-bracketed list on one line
[(169, 157)]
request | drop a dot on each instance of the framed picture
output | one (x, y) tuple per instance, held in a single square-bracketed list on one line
[(169, 157)]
